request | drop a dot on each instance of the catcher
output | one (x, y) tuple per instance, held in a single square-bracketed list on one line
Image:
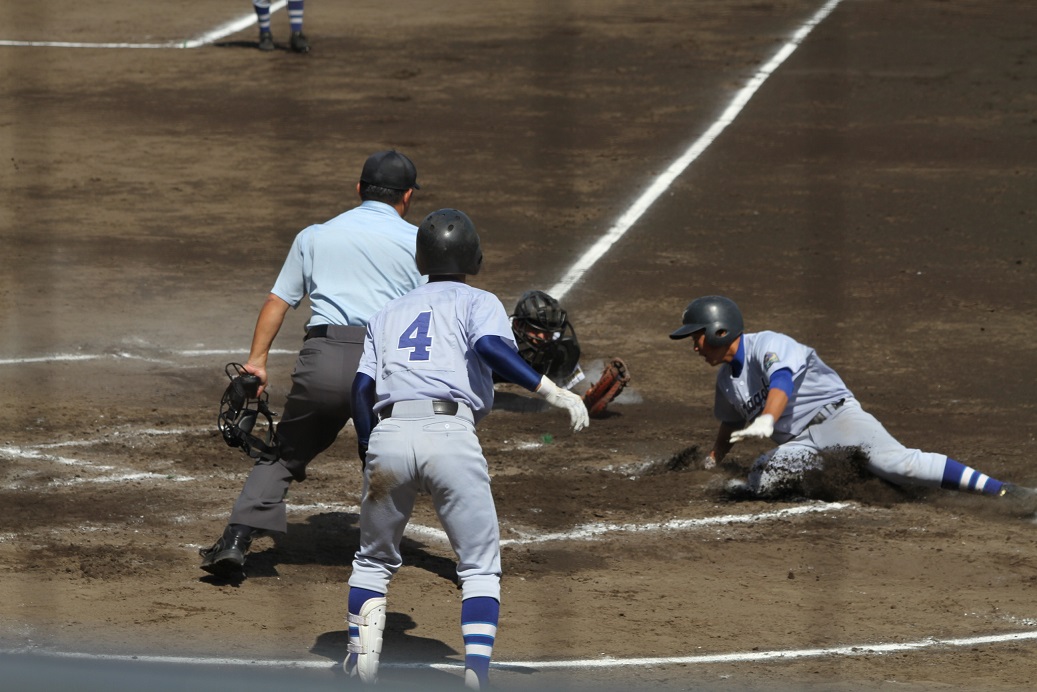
[(547, 341)]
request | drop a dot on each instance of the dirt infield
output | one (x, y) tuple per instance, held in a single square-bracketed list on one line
[(875, 199)]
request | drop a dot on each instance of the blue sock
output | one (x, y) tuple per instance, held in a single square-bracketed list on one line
[(479, 617), (263, 17), (958, 476), (295, 14), (357, 599)]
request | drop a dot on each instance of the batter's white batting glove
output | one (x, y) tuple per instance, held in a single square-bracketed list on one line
[(563, 398), (761, 427)]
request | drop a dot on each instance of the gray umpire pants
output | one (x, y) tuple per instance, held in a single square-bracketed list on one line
[(317, 409)]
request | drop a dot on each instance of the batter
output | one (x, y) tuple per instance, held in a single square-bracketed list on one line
[(769, 385), (425, 380)]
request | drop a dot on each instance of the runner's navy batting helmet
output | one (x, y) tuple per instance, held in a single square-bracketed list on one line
[(448, 244), (719, 316)]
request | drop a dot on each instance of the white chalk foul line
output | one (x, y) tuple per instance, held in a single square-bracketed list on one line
[(663, 182), (231, 27), (603, 662)]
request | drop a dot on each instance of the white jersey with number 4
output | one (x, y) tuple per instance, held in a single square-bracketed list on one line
[(425, 346)]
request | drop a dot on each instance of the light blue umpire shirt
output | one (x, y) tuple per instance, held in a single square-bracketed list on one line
[(350, 266)]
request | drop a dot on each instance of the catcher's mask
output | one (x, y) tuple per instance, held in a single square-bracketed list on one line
[(545, 337), (448, 243), (717, 315), (240, 411)]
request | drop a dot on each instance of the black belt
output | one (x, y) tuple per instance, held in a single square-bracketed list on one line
[(442, 408), (318, 332), (826, 411)]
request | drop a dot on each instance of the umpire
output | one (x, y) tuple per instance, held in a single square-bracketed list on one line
[(349, 267)]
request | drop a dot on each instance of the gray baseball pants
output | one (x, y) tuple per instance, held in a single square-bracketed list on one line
[(317, 409)]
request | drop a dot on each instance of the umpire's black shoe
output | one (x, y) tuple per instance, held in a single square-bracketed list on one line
[(299, 43), (226, 558)]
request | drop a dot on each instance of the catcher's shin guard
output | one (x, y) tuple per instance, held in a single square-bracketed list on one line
[(365, 649)]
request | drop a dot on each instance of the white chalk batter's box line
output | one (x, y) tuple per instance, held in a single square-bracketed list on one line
[(126, 355)]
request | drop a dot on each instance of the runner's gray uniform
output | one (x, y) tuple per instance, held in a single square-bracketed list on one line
[(821, 413)]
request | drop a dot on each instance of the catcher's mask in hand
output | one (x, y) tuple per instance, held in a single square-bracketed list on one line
[(240, 411)]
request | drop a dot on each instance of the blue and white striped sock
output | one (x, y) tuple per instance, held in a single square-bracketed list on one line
[(958, 476), (295, 14), (263, 15), (479, 618)]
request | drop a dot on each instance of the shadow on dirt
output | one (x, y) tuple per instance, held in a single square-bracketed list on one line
[(330, 539)]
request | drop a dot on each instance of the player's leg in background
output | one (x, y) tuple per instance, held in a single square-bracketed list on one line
[(266, 39), (295, 12), (299, 42)]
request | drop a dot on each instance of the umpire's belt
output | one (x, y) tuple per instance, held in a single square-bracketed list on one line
[(424, 407), (826, 412), (336, 332)]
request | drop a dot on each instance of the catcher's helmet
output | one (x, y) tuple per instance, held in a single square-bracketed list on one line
[(546, 340), (719, 316), (448, 244), (537, 309)]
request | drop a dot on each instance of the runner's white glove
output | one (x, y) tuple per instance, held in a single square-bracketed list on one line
[(761, 427), (563, 398)]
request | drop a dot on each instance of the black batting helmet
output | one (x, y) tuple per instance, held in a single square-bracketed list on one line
[(719, 316), (448, 244)]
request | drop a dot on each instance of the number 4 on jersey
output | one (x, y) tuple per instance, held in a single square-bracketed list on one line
[(416, 337)]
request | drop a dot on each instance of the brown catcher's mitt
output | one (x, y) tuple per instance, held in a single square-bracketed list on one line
[(613, 379)]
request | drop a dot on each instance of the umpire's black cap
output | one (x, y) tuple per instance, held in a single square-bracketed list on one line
[(390, 169)]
